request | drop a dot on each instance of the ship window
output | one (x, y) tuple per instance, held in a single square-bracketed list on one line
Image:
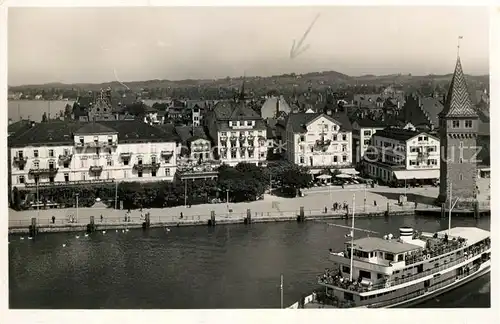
[(400, 257), (436, 265), (389, 256), (379, 275), (345, 269), (365, 274)]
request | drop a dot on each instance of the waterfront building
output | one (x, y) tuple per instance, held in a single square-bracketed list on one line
[(458, 130), (318, 141), (195, 143), (362, 132), (71, 153), (398, 156), (238, 132), (422, 111)]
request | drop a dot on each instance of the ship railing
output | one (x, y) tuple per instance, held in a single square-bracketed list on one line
[(335, 279), (397, 299), (427, 273)]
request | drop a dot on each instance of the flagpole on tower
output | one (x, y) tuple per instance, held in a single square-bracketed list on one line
[(458, 45)]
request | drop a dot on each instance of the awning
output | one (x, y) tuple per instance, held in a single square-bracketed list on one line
[(350, 171), (312, 171), (485, 169), (417, 174)]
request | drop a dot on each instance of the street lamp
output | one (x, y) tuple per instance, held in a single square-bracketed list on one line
[(77, 194), (227, 199), (185, 192)]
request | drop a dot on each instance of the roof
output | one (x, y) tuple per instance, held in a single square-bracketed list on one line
[(458, 102), (298, 121), (231, 110), (19, 126), (431, 108), (94, 128), (471, 234), (370, 123), (268, 109), (398, 134), (61, 132), (189, 133), (369, 244)]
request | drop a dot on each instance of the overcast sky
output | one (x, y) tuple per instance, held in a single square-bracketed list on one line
[(86, 44)]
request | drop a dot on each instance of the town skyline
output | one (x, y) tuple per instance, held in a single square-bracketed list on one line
[(107, 49)]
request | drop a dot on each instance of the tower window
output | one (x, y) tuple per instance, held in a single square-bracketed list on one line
[(460, 177), (468, 124), (456, 123)]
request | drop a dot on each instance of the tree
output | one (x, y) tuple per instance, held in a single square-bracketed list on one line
[(16, 199), (44, 118), (68, 111), (295, 177)]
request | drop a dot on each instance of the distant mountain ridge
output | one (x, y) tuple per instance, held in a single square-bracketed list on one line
[(315, 78)]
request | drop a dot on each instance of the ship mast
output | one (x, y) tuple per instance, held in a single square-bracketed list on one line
[(352, 237)]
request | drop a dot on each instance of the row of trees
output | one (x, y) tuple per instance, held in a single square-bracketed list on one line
[(244, 182)]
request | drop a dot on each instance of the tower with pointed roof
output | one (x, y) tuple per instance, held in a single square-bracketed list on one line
[(458, 128)]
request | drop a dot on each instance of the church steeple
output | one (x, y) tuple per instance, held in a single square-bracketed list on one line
[(458, 102)]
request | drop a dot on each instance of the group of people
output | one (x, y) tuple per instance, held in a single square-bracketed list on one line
[(338, 206)]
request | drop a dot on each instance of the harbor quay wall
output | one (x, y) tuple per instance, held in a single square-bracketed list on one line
[(117, 224)]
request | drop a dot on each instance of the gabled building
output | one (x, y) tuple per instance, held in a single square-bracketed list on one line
[(195, 143), (362, 132), (422, 111), (275, 107), (401, 156), (318, 141), (61, 153), (238, 133)]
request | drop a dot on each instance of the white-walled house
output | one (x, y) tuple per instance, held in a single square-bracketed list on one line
[(72, 153), (403, 155), (318, 141), (238, 133)]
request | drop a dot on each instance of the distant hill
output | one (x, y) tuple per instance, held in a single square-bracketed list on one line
[(314, 79)]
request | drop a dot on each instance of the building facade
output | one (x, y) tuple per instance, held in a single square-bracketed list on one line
[(62, 153), (458, 130), (398, 156), (362, 132), (238, 132), (318, 141)]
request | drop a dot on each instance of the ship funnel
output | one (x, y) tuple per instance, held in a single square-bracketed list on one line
[(406, 234)]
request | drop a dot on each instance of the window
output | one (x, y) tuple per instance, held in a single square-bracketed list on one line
[(367, 132), (96, 139), (110, 140), (389, 256), (301, 159), (413, 162), (455, 124), (36, 165), (153, 160), (20, 154), (250, 154), (139, 161), (35, 153), (66, 177), (344, 137), (344, 158), (139, 174), (51, 179), (20, 179), (167, 172), (230, 124), (233, 154), (302, 138), (81, 140), (109, 162), (335, 127), (51, 153), (468, 124), (335, 159), (460, 177), (153, 173), (125, 162), (262, 155), (325, 128), (334, 137), (344, 147), (51, 165)]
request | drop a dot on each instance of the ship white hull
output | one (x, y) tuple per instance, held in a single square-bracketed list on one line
[(483, 269)]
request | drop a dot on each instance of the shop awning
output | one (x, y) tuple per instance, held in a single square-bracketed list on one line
[(417, 174), (350, 171), (486, 169), (315, 171)]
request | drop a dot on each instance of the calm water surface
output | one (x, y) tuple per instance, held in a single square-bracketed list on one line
[(233, 266)]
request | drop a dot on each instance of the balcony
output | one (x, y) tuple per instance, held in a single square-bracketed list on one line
[(20, 160), (262, 140), (101, 144), (96, 168), (126, 155), (167, 154), (233, 140), (147, 166), (49, 171), (65, 157)]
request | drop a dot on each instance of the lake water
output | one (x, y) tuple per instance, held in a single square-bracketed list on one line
[(233, 266), (34, 109)]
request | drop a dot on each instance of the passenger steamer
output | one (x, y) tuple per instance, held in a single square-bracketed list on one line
[(404, 271)]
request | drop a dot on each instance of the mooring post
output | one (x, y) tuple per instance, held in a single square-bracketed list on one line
[(91, 225), (33, 230), (248, 219), (301, 217), (211, 221)]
